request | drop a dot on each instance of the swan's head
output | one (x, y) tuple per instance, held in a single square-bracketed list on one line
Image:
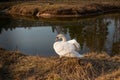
[(60, 36)]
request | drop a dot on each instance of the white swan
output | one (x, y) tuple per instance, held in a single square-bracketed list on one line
[(66, 48)]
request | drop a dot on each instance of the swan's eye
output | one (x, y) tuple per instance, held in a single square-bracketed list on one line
[(57, 38)]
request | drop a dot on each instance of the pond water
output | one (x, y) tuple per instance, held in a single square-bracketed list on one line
[(35, 36)]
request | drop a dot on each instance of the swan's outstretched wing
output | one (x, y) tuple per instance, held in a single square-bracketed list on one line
[(75, 43)]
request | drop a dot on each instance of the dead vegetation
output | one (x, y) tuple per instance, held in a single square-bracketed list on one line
[(64, 9), (94, 66), (114, 75)]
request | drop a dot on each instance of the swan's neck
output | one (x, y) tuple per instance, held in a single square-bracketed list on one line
[(63, 39)]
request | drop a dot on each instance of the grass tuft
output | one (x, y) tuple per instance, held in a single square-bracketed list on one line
[(94, 66)]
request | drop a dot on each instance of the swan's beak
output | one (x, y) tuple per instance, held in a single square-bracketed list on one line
[(56, 39)]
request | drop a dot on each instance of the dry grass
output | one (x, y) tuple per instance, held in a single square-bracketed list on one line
[(16, 66), (64, 9), (7, 5), (114, 75)]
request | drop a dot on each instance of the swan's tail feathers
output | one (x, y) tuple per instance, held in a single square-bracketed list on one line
[(73, 54), (81, 55), (78, 55)]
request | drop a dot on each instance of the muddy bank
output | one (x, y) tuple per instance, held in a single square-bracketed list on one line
[(63, 9), (16, 66)]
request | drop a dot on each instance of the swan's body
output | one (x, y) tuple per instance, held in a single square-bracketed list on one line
[(67, 48)]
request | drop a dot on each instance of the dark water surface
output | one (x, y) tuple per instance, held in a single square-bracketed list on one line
[(34, 36)]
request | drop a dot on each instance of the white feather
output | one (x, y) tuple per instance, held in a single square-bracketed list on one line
[(75, 43), (67, 48)]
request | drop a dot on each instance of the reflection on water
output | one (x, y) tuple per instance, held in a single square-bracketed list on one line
[(36, 36)]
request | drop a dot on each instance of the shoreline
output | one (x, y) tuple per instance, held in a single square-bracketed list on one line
[(86, 15), (15, 65), (63, 10)]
